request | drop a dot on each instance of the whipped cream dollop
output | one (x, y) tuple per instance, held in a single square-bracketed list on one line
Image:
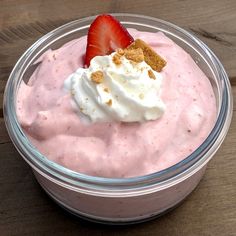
[(110, 90)]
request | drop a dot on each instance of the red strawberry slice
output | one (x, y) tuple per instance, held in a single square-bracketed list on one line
[(104, 36)]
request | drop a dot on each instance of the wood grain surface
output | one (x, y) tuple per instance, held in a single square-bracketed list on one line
[(24, 207)]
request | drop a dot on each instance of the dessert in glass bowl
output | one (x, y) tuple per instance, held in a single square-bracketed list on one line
[(129, 115)]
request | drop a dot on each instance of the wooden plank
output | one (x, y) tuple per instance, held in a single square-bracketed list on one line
[(4, 137), (26, 210)]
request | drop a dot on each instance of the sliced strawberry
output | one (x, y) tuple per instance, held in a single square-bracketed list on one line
[(104, 36)]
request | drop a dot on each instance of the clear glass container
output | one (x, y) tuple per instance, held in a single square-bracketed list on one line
[(129, 200)]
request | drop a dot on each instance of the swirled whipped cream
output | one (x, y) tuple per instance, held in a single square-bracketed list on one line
[(117, 87)]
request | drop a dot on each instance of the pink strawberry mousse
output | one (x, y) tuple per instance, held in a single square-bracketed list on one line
[(117, 149)]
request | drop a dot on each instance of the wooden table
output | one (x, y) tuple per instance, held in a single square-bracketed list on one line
[(24, 207)]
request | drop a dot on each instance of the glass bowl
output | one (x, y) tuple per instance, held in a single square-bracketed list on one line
[(117, 200)]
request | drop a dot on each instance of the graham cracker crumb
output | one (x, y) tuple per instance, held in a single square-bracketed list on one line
[(151, 74), (116, 59), (97, 77), (72, 92), (120, 51), (106, 90), (141, 96), (109, 102), (150, 56), (135, 55)]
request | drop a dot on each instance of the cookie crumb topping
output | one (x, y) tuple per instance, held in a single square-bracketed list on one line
[(116, 59), (120, 51), (151, 74), (141, 96), (155, 61), (97, 77), (135, 55), (109, 102)]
